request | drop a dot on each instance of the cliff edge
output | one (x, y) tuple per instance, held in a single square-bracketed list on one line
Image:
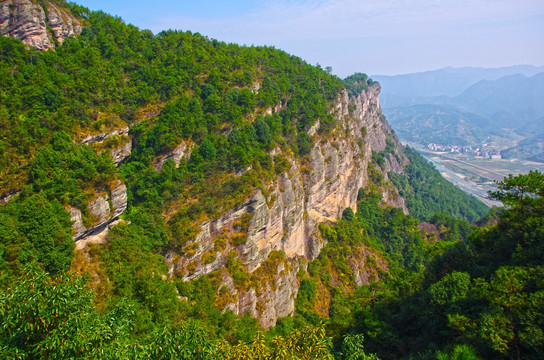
[(279, 230)]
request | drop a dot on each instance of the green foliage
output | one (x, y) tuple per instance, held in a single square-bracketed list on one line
[(394, 252), (356, 83), (55, 318), (456, 228), (348, 214), (100, 78), (452, 288), (459, 352), (426, 192), (35, 229), (304, 144), (480, 298), (523, 193), (62, 170), (483, 289), (379, 157), (353, 349), (307, 343)]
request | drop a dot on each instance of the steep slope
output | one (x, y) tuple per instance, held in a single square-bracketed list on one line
[(478, 299), (287, 218), (221, 161)]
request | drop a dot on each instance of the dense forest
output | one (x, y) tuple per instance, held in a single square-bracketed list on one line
[(455, 290)]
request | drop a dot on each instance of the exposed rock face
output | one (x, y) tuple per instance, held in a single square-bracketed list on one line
[(121, 153), (119, 199), (6, 197), (271, 300), (77, 226), (98, 238), (104, 210), (118, 152), (90, 139), (100, 208), (181, 151), (62, 23), (27, 20), (287, 220)]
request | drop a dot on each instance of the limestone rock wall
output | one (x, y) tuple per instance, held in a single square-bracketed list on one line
[(287, 219), (28, 20)]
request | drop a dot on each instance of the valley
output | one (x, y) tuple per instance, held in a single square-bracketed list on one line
[(173, 196), (476, 175)]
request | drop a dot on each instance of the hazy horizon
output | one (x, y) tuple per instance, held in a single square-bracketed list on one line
[(376, 37)]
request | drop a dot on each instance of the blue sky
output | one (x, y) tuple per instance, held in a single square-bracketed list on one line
[(372, 36)]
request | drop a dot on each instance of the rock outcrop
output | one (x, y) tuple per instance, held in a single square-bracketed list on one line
[(287, 219), (62, 23), (119, 150), (28, 21), (102, 212), (365, 266), (181, 151)]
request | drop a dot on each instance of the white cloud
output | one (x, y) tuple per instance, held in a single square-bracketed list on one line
[(329, 19)]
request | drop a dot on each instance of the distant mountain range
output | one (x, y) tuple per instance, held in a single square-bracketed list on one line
[(466, 106), (447, 81), (441, 124)]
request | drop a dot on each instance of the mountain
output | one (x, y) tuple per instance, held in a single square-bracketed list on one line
[(511, 102), (38, 26), (531, 148), (194, 185), (406, 89), (505, 109), (441, 124)]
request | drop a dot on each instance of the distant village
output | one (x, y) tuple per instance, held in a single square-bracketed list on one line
[(481, 151)]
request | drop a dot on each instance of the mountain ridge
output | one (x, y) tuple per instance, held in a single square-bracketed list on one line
[(212, 168), (448, 81), (504, 110)]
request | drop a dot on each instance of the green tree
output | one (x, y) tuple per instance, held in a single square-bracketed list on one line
[(353, 348), (348, 214), (524, 192), (44, 318)]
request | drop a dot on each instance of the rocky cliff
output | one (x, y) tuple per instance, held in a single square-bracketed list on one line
[(286, 218), (254, 251), (104, 209), (37, 25)]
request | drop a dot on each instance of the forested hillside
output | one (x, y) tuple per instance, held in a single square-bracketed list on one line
[(171, 195)]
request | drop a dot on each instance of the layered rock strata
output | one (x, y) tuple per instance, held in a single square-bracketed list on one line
[(287, 218), (104, 210), (35, 26)]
